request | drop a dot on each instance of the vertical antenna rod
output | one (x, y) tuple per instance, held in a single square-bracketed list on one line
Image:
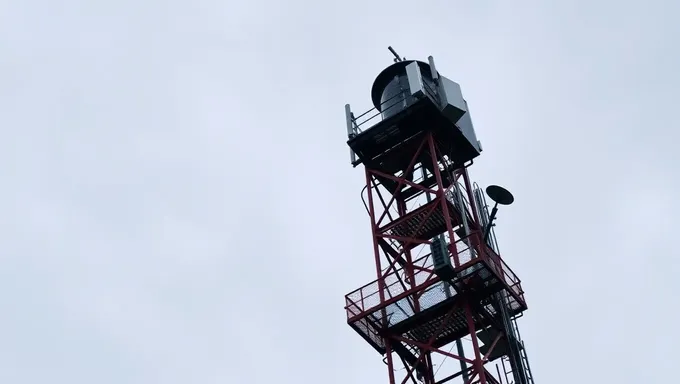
[(396, 55)]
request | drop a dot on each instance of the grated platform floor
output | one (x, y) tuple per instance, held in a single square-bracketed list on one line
[(435, 304)]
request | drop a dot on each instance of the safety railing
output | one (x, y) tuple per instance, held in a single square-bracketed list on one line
[(366, 120), (503, 270), (367, 297), (399, 282)]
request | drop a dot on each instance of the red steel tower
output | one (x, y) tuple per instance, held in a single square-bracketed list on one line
[(444, 305)]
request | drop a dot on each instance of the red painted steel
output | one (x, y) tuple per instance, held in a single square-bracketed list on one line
[(406, 282)]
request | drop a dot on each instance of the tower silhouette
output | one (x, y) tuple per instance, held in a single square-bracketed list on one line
[(442, 291)]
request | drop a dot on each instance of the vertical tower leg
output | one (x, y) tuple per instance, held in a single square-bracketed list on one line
[(374, 231), (390, 361), (475, 344)]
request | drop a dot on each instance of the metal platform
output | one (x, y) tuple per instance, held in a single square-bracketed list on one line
[(418, 313), (417, 225), (420, 224), (383, 145)]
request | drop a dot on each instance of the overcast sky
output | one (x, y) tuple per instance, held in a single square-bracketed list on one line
[(177, 204)]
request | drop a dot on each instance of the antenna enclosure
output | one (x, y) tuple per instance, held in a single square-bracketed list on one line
[(393, 82), (409, 103)]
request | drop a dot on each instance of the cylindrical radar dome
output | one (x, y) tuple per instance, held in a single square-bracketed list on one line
[(390, 92)]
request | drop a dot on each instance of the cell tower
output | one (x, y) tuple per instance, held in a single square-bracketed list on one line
[(444, 305)]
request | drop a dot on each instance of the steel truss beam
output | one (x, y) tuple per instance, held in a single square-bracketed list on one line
[(393, 255)]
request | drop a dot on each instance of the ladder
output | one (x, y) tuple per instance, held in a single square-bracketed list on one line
[(523, 356)]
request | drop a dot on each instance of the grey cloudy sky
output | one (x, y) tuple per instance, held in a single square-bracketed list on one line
[(177, 204)]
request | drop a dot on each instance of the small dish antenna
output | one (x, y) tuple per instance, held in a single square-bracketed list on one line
[(500, 196)]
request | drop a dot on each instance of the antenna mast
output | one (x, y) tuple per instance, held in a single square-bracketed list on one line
[(396, 55)]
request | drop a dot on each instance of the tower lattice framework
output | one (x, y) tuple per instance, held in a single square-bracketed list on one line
[(442, 291)]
